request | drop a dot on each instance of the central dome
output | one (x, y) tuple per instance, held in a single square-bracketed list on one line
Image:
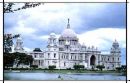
[(68, 32)]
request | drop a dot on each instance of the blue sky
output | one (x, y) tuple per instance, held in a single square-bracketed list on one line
[(100, 22)]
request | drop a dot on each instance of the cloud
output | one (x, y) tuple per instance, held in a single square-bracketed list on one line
[(28, 49), (21, 29), (53, 17), (103, 37)]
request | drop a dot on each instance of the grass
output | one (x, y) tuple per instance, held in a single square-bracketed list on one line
[(62, 70)]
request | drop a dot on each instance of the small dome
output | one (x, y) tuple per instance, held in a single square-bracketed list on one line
[(52, 34), (83, 45), (19, 38), (37, 50)]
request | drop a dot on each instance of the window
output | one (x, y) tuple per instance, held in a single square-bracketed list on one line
[(34, 56), (75, 57), (113, 65), (39, 62), (81, 57), (113, 58), (48, 62), (54, 55), (85, 56), (66, 56), (71, 56), (118, 59), (64, 64), (108, 59), (48, 55)]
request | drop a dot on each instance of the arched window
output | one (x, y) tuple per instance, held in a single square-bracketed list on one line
[(113, 58), (64, 64), (113, 65), (39, 62), (48, 62), (34, 56), (71, 56), (54, 55), (48, 55), (92, 60)]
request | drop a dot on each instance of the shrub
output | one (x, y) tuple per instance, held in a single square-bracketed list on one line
[(78, 66), (68, 68), (51, 67), (100, 67), (34, 66), (118, 69)]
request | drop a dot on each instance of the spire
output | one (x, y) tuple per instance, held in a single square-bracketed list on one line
[(68, 25), (115, 40)]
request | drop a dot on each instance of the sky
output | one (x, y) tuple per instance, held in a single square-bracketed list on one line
[(97, 24)]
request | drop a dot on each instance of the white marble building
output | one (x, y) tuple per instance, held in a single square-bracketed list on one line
[(64, 52)]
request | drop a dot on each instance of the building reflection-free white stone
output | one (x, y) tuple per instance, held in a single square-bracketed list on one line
[(65, 52)]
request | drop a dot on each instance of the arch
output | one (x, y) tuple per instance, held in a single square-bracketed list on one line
[(92, 60)]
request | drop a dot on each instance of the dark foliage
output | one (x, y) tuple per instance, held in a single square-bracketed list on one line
[(100, 67), (17, 58), (8, 42), (8, 7), (78, 66), (34, 66), (52, 67)]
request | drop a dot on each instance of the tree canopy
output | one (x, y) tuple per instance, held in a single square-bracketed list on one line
[(9, 7), (17, 58), (8, 42), (100, 67)]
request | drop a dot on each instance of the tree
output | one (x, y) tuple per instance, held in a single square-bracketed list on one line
[(8, 42), (23, 58), (123, 67), (100, 67), (8, 60), (124, 70), (9, 7), (11, 59), (118, 69)]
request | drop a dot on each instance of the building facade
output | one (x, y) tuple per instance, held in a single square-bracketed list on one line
[(66, 51)]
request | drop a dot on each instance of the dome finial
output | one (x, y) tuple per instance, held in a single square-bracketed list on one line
[(68, 20), (68, 25), (115, 41)]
